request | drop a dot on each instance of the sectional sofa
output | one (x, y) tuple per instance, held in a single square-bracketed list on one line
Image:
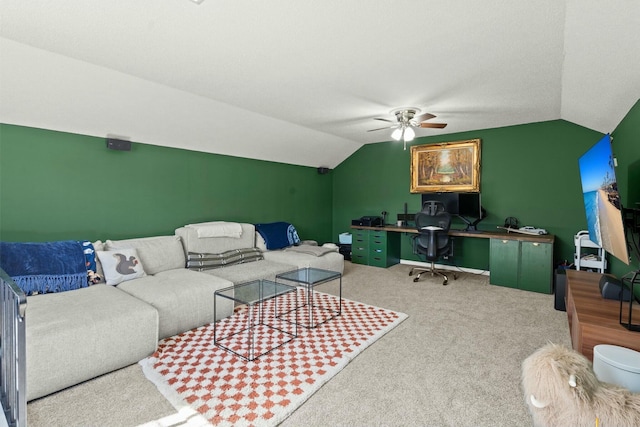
[(76, 335)]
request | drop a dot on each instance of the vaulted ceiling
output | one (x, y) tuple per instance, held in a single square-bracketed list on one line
[(301, 82)]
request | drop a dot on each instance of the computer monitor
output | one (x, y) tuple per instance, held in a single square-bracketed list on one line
[(449, 200), (470, 210), (469, 205), (466, 206)]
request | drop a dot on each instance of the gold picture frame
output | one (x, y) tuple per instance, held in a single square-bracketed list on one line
[(446, 167)]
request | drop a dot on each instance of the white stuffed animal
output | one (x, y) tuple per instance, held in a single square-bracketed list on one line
[(562, 390)]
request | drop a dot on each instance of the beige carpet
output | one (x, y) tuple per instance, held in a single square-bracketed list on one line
[(454, 362)]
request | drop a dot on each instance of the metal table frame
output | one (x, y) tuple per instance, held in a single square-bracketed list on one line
[(253, 294), (309, 278)]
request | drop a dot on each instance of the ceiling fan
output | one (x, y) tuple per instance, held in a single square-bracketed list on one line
[(406, 120)]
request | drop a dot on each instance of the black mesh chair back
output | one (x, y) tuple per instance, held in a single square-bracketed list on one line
[(432, 241), (433, 234)]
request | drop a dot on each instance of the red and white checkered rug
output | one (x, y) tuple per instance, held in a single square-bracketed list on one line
[(225, 390)]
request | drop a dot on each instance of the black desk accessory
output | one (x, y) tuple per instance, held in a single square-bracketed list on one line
[(630, 282), (611, 288), (367, 221)]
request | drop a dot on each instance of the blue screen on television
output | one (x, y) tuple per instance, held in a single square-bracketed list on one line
[(602, 200)]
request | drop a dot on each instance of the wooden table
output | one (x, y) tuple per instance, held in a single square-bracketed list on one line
[(594, 320)]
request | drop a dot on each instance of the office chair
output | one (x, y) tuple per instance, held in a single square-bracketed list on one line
[(432, 240)]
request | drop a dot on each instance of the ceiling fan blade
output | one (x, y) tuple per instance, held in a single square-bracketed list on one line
[(433, 125), (423, 117), (384, 120), (386, 127)]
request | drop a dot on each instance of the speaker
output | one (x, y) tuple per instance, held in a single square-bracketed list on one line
[(323, 171), (611, 288), (560, 289), (118, 144)]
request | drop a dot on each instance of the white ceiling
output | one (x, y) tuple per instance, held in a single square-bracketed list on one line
[(300, 81)]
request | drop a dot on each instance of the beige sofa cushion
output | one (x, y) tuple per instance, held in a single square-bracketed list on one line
[(317, 256), (157, 254), (333, 261), (74, 336), (249, 271), (183, 298), (216, 245)]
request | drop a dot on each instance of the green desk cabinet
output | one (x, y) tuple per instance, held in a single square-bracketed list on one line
[(522, 264), (375, 247), (360, 246)]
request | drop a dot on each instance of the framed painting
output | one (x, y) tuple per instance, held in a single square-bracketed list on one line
[(446, 167)]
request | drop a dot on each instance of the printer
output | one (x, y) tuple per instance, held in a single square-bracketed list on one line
[(368, 221)]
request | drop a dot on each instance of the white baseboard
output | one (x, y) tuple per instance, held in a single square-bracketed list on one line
[(444, 267)]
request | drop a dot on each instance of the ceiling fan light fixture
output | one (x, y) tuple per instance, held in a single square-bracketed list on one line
[(409, 134), (407, 119)]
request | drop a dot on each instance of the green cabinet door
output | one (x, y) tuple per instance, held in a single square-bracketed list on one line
[(394, 241), (504, 258), (378, 248), (360, 246), (523, 265), (536, 267)]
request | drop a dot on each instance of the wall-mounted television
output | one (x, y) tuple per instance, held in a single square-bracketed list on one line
[(602, 200)]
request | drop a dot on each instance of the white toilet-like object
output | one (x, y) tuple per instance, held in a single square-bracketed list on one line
[(617, 365)]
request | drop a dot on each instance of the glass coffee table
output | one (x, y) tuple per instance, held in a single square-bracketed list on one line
[(258, 329), (317, 312)]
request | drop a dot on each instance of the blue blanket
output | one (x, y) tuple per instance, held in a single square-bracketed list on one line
[(278, 235), (45, 267)]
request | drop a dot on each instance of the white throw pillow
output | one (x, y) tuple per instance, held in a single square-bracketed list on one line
[(120, 265)]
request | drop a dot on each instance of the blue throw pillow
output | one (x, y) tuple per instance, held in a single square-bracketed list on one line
[(278, 235)]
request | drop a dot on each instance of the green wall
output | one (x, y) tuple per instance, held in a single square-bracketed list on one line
[(56, 185), (528, 171)]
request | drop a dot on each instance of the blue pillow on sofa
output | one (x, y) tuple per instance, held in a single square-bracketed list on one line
[(278, 235)]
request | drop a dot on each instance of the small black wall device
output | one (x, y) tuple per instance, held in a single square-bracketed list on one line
[(610, 288), (323, 171), (118, 144)]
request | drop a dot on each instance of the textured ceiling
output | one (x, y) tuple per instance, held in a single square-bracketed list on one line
[(300, 81)]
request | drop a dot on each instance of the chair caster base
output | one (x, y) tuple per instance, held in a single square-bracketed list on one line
[(433, 273), (446, 280)]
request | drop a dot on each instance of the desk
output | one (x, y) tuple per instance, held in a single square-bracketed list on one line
[(515, 260), (592, 319), (545, 238)]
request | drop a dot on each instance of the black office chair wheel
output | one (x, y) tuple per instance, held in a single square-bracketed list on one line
[(415, 279)]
